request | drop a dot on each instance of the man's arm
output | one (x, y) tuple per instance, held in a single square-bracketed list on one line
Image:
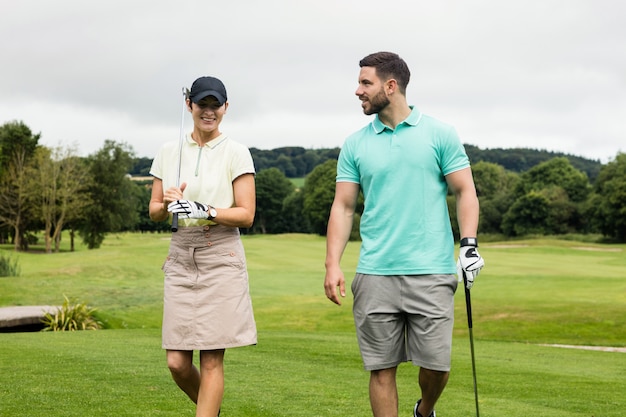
[(337, 236), (470, 262), (461, 183)]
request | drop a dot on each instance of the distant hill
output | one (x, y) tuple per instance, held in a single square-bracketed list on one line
[(522, 159), (297, 162)]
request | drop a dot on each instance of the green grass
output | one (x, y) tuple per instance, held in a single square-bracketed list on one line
[(298, 182), (307, 363)]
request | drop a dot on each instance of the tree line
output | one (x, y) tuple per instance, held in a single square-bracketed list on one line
[(298, 162), (550, 198), (52, 190), (293, 161), (521, 192)]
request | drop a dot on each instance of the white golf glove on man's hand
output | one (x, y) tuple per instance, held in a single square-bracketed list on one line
[(187, 209), (469, 261)]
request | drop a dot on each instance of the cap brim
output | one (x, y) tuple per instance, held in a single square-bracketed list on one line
[(220, 98)]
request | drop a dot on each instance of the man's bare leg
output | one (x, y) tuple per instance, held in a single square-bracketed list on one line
[(384, 393), (432, 384)]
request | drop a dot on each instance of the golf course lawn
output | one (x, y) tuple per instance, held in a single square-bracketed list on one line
[(532, 294)]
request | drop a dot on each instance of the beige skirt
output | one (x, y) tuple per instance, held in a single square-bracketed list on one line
[(206, 297)]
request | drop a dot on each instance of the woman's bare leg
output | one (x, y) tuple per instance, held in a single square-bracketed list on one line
[(184, 373), (211, 390)]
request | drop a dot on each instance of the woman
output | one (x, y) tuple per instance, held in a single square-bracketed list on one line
[(207, 304)]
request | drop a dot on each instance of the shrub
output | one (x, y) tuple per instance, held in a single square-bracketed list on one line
[(70, 317), (8, 266)]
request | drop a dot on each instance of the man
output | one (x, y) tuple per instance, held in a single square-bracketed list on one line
[(404, 162)]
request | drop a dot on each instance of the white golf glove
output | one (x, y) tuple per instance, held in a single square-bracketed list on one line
[(470, 262), (187, 209)]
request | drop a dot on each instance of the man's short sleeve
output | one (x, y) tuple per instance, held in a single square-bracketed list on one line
[(347, 170), (453, 156)]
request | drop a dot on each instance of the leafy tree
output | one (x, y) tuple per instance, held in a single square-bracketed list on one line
[(564, 215), (272, 187), (528, 215), (115, 204), (285, 165), (141, 167), (142, 191), (292, 213), (492, 212), (560, 188), (17, 147), (494, 186), (14, 196), (319, 193), (16, 138), (491, 179), (607, 206), (309, 160), (557, 171), (59, 180)]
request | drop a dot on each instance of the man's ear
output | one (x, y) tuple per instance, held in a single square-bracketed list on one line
[(391, 86)]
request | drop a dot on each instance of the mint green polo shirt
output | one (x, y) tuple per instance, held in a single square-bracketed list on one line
[(405, 226)]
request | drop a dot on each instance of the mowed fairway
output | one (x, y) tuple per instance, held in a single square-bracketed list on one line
[(531, 294)]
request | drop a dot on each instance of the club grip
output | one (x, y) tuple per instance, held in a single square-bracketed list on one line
[(175, 222), (468, 302)]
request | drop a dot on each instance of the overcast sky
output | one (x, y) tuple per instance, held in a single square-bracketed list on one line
[(543, 74)]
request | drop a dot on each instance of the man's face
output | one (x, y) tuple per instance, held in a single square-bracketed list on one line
[(371, 91), (207, 114)]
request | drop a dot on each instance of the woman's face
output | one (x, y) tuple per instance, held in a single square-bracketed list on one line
[(207, 114)]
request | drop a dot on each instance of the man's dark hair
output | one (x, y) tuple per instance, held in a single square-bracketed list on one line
[(389, 65)]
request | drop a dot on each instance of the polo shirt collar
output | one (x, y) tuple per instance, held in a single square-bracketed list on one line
[(412, 120), (211, 144)]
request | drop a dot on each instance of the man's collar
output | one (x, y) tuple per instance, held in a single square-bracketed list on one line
[(412, 120)]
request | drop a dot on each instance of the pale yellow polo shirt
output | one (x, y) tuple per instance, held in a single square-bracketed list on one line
[(209, 171)]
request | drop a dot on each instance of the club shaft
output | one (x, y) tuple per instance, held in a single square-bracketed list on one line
[(180, 154), (471, 335), (468, 306)]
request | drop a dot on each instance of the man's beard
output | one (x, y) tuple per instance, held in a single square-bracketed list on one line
[(377, 103)]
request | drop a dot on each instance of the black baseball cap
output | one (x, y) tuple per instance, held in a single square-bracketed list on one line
[(208, 86)]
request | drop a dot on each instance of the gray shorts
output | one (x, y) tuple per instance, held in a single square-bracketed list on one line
[(403, 318)]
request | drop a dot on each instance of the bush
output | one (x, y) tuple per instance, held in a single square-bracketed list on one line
[(8, 266), (71, 317)]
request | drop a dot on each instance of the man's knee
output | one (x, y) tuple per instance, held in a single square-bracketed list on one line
[(433, 374), (384, 376)]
